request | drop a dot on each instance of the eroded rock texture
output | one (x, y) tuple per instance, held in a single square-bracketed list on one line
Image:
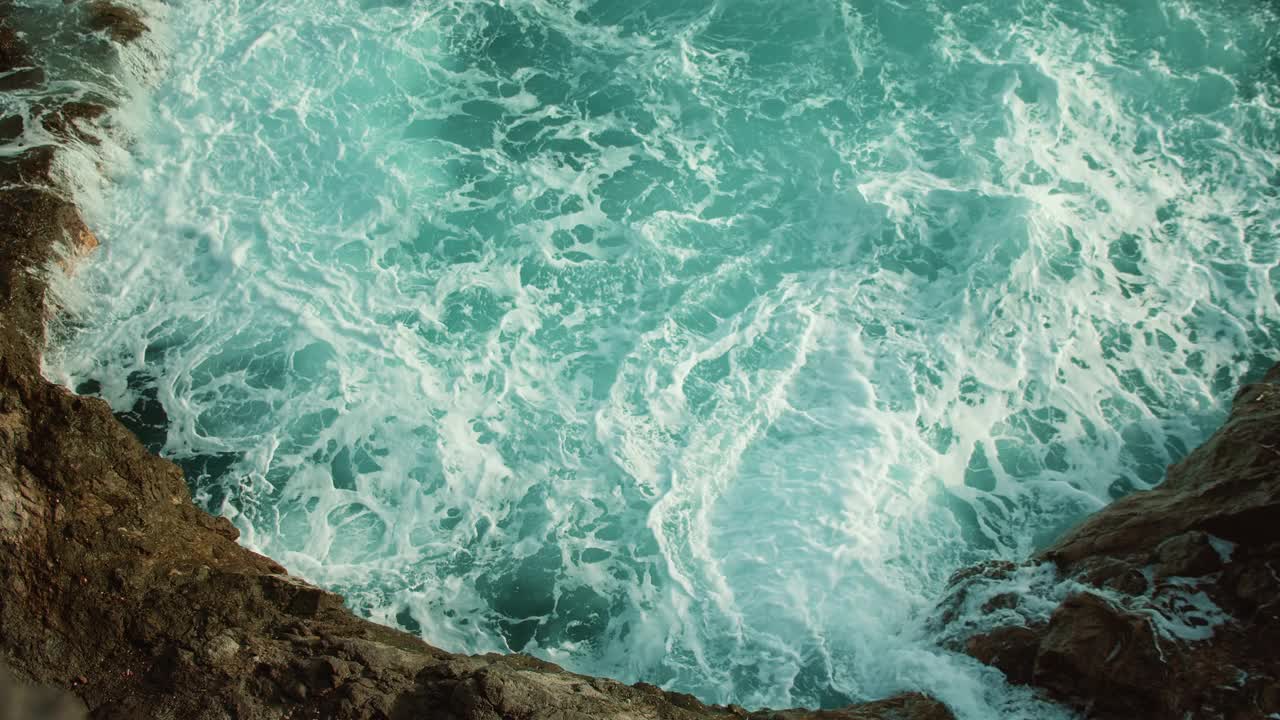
[(1176, 609)]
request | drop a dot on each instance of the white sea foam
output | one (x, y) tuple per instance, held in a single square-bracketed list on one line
[(690, 343)]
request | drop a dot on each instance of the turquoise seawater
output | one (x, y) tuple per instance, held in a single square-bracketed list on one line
[(688, 341)]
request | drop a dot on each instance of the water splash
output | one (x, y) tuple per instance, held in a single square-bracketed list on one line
[(695, 343)]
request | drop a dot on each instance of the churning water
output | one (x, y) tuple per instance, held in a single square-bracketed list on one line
[(687, 341)]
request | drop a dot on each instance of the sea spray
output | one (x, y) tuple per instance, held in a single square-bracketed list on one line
[(693, 343)]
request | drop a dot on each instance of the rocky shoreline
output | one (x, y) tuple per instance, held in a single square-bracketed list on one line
[(1174, 609), (115, 586)]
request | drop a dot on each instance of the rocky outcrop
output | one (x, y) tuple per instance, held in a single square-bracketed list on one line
[(1174, 608), (123, 24), (17, 70), (115, 586)]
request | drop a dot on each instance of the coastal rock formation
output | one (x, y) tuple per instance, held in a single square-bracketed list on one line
[(117, 588), (122, 24), (17, 70), (1175, 602)]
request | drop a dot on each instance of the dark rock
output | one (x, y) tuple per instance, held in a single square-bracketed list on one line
[(221, 651), (70, 120), (326, 673), (1012, 650), (1003, 601), (14, 52), (1254, 525), (22, 79), (11, 128), (225, 528), (122, 24), (297, 597), (1114, 574), (1254, 584), (1186, 555), (1093, 649), (1100, 657), (988, 569), (912, 706), (18, 69), (1269, 698), (961, 583)]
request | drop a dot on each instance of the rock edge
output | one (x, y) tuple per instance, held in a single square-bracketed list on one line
[(117, 587)]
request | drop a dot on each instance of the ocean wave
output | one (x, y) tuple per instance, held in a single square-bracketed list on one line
[(694, 343)]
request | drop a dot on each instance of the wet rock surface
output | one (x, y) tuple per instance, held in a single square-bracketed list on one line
[(17, 69), (122, 23), (1177, 607)]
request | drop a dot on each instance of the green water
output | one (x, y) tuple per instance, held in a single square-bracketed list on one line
[(687, 342)]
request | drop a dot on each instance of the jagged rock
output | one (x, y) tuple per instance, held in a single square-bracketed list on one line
[(1096, 650), (1189, 555), (220, 652), (122, 23), (11, 128), (962, 581), (1012, 650), (1112, 661), (17, 69), (70, 120), (1112, 574), (326, 673), (1255, 585), (913, 705)]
